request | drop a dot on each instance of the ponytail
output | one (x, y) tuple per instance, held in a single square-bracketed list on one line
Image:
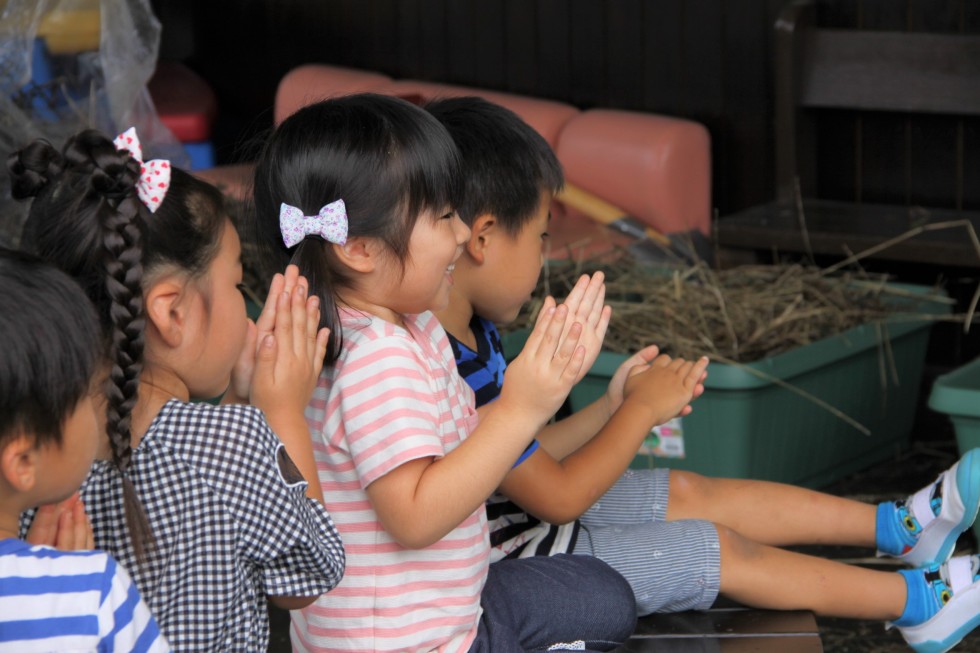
[(312, 257)]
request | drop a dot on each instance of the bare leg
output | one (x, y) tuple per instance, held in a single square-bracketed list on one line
[(767, 577), (771, 513)]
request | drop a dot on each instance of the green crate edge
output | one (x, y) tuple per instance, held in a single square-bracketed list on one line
[(957, 394), (774, 434)]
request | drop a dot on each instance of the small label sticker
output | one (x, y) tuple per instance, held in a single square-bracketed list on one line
[(665, 441)]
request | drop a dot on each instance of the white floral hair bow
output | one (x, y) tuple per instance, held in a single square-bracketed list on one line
[(330, 223), (154, 181)]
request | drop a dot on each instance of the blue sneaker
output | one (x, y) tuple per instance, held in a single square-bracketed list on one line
[(948, 596), (922, 530)]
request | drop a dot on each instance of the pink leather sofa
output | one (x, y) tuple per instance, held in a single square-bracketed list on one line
[(655, 168)]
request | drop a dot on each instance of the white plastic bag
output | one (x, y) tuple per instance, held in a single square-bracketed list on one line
[(66, 65)]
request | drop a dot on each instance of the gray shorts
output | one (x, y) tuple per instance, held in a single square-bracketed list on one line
[(671, 566)]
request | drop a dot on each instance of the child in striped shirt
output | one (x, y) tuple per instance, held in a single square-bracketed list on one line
[(359, 192), (54, 600)]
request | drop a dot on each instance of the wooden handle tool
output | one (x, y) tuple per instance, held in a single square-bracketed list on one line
[(609, 214)]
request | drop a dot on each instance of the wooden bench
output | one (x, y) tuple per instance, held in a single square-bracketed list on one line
[(818, 71), (726, 630), (721, 630)]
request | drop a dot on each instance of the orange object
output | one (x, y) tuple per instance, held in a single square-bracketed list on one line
[(72, 28), (655, 167)]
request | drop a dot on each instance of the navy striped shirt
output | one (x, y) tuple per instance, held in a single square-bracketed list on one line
[(513, 532)]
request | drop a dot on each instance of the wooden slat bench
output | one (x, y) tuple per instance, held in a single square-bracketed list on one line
[(719, 630), (726, 630), (867, 74), (839, 229)]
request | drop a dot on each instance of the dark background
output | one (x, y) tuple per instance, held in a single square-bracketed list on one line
[(708, 60)]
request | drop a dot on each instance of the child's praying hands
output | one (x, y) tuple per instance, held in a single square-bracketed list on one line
[(586, 307), (63, 525)]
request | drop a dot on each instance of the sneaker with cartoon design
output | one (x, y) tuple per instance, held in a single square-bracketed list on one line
[(943, 604), (922, 529)]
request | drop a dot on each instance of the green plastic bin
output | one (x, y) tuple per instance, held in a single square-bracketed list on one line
[(958, 395), (745, 426)]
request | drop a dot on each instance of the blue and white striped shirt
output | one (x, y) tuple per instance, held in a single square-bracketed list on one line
[(54, 600), (514, 533)]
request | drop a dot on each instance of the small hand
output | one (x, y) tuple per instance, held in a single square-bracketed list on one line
[(281, 283), (239, 390), (62, 525), (290, 358), (241, 374), (614, 391), (541, 376), (666, 387), (586, 307)]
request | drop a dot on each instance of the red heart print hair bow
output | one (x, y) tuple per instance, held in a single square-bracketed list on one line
[(154, 178)]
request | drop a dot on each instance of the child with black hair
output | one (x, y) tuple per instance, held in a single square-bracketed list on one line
[(203, 504), (50, 599), (678, 537), (359, 192)]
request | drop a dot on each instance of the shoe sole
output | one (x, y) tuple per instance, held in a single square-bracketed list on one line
[(966, 613), (966, 473)]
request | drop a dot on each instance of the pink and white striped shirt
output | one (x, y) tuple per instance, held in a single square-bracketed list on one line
[(393, 396)]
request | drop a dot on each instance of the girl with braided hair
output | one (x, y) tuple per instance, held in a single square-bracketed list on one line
[(203, 504)]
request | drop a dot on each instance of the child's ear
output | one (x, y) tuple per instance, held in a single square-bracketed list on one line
[(359, 253), (482, 232), (166, 308), (19, 463)]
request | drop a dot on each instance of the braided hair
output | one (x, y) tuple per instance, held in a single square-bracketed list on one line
[(87, 219)]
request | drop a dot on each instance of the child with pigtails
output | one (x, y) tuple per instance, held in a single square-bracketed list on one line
[(210, 508)]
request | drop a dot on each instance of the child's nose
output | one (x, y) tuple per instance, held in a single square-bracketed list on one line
[(462, 231)]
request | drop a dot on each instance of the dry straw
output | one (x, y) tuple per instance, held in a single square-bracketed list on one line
[(742, 314), (747, 313), (738, 315)]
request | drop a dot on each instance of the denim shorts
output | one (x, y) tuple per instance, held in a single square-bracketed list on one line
[(562, 602), (671, 566)]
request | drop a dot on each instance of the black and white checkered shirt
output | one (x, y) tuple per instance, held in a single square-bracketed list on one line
[(231, 524)]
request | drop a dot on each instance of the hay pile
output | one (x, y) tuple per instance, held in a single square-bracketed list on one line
[(740, 315)]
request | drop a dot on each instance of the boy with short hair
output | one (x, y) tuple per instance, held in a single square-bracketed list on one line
[(52, 600), (678, 537)]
